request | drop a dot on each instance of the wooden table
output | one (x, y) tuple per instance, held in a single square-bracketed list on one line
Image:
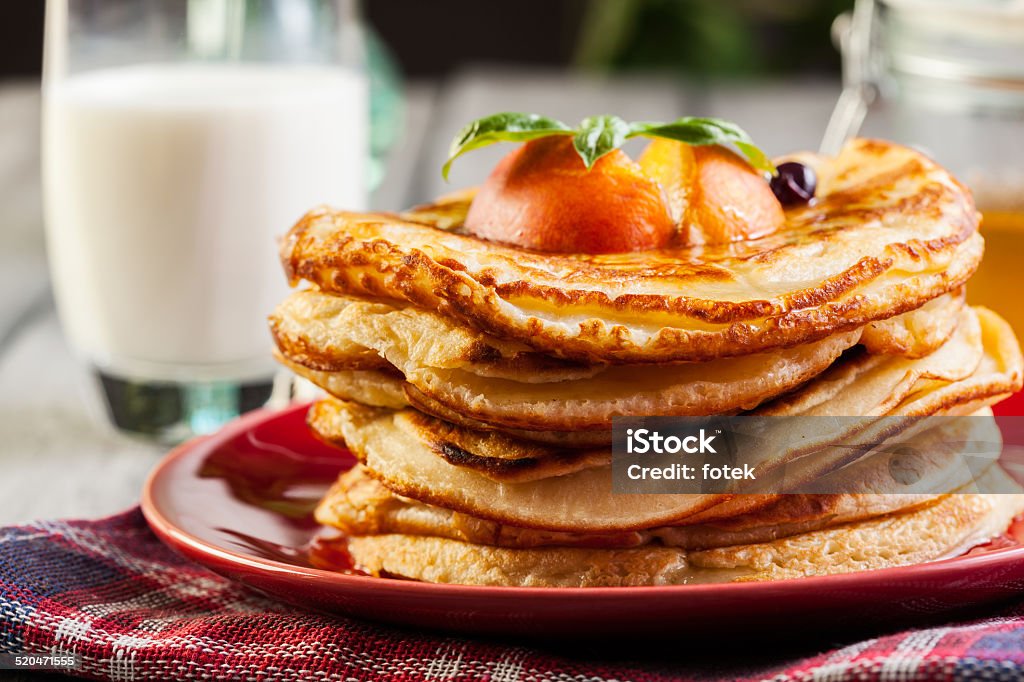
[(58, 458)]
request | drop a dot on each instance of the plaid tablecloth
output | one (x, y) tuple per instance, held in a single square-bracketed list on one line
[(110, 592)]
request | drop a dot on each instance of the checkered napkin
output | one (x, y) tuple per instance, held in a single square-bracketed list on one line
[(131, 609)]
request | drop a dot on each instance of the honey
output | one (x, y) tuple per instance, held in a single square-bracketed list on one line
[(999, 282)]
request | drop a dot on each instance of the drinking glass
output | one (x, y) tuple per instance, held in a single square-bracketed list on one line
[(181, 139)]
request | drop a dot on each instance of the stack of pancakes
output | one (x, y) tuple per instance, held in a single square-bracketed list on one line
[(476, 384)]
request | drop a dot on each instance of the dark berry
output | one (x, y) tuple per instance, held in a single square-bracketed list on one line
[(794, 184)]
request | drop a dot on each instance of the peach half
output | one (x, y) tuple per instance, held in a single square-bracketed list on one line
[(542, 197)]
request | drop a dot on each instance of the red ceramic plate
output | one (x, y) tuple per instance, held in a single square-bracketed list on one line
[(240, 503)]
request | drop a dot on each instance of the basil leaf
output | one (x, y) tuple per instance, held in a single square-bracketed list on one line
[(507, 126), (598, 135), (757, 158), (683, 130), (703, 131)]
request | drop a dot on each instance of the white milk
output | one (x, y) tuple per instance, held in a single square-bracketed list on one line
[(167, 188)]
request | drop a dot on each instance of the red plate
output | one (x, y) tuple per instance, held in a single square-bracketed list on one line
[(240, 503)]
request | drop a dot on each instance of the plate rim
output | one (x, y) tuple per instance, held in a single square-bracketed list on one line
[(184, 542)]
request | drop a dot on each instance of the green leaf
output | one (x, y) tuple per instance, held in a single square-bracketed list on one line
[(598, 135), (507, 126), (757, 158), (703, 131)]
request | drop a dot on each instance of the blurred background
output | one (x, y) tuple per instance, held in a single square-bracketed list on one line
[(696, 38)]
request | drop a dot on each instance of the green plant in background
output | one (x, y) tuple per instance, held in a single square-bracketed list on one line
[(387, 105), (709, 38)]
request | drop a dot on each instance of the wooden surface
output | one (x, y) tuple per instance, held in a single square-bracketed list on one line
[(58, 456)]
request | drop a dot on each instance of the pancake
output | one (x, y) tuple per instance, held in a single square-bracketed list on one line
[(974, 369), (498, 456), (889, 231), (979, 364), (927, 457), (554, 491), (917, 333), (335, 332), (369, 387), (870, 385), (383, 389), (579, 438), (407, 462), (944, 528), (999, 374), (440, 560), (474, 375), (361, 505), (936, 455)]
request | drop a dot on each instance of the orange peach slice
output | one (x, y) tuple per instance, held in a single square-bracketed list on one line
[(674, 165), (542, 196), (714, 194)]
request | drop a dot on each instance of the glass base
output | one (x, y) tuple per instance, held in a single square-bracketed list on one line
[(172, 412)]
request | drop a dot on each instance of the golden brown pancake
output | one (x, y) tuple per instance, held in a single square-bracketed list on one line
[(411, 461), (498, 456), (336, 332), (578, 438), (358, 504), (916, 333), (975, 367), (361, 505), (902, 390), (440, 560), (475, 376), (858, 384), (980, 364), (328, 332), (999, 374), (868, 385), (408, 463), (368, 387), (944, 528), (383, 389), (889, 231), (934, 463)]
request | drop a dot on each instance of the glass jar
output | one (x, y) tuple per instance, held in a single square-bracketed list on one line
[(947, 76), (180, 141)]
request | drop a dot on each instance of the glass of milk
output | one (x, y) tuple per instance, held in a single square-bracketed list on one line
[(181, 139)]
